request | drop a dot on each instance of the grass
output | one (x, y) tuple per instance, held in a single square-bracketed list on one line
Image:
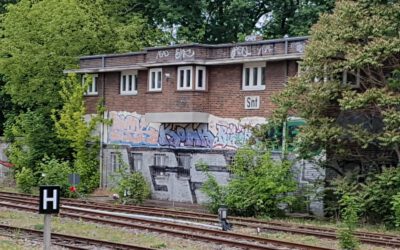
[(315, 241), (97, 231)]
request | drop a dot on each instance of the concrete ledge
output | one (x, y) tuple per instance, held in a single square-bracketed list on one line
[(177, 117)]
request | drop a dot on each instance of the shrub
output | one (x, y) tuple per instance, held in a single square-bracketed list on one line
[(25, 180), (350, 211), (133, 188), (396, 209), (258, 186), (376, 195), (216, 193), (55, 172)]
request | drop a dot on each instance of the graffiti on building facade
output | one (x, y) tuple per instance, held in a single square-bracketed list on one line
[(240, 51), (185, 135), (299, 47), (162, 54), (131, 129), (219, 133), (182, 54)]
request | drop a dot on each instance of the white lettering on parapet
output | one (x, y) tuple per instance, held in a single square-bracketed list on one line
[(240, 51), (162, 54), (181, 54)]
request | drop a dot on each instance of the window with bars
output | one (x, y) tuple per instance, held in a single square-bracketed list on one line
[(115, 161), (160, 160), (137, 159)]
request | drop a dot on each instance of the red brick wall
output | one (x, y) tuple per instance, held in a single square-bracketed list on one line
[(224, 96)]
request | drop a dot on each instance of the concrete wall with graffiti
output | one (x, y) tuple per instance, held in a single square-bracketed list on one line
[(3, 170), (220, 133), (167, 154)]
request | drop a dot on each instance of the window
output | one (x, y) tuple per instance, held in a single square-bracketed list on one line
[(115, 161), (160, 160), (128, 83), (351, 78), (184, 78), (184, 165), (92, 87), (184, 160), (137, 159), (253, 76), (155, 79), (201, 78)]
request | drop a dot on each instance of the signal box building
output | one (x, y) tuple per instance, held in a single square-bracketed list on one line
[(175, 107)]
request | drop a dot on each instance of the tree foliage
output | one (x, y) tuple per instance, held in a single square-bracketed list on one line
[(224, 20), (70, 125), (359, 124), (39, 39)]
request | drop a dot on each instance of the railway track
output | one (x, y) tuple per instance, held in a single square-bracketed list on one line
[(180, 230), (365, 237), (66, 241)]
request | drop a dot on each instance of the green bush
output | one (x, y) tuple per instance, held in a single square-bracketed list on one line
[(376, 195), (216, 193), (258, 186), (350, 211), (55, 172), (396, 209), (133, 188), (25, 180)]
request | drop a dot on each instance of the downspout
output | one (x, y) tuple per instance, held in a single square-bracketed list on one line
[(103, 103)]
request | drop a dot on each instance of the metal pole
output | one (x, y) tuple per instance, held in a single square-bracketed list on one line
[(47, 232)]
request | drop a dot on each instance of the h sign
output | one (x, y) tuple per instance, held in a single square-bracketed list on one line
[(49, 199)]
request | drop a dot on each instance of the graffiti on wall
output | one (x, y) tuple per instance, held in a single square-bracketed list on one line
[(232, 133), (299, 47), (162, 54), (132, 129), (182, 54), (219, 133), (185, 135)]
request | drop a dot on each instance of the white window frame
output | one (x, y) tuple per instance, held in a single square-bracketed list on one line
[(258, 79), (115, 161), (158, 74), (357, 83), (204, 78), (92, 89), (178, 79), (133, 74)]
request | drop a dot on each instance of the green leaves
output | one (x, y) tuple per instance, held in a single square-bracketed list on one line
[(258, 185), (349, 122)]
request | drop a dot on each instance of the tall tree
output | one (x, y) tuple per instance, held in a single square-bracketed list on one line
[(224, 20), (349, 94), (39, 39)]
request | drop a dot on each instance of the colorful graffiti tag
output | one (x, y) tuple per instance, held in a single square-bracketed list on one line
[(219, 133), (185, 135), (131, 129)]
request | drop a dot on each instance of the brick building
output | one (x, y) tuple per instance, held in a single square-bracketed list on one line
[(175, 106)]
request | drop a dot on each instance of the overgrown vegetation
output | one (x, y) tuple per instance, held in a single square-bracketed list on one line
[(259, 185), (350, 211), (131, 187), (25, 180), (39, 39), (55, 172)]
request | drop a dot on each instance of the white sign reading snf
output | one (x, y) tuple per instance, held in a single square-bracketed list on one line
[(252, 102), (50, 199)]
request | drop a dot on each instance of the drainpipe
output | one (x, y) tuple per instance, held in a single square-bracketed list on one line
[(103, 103)]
